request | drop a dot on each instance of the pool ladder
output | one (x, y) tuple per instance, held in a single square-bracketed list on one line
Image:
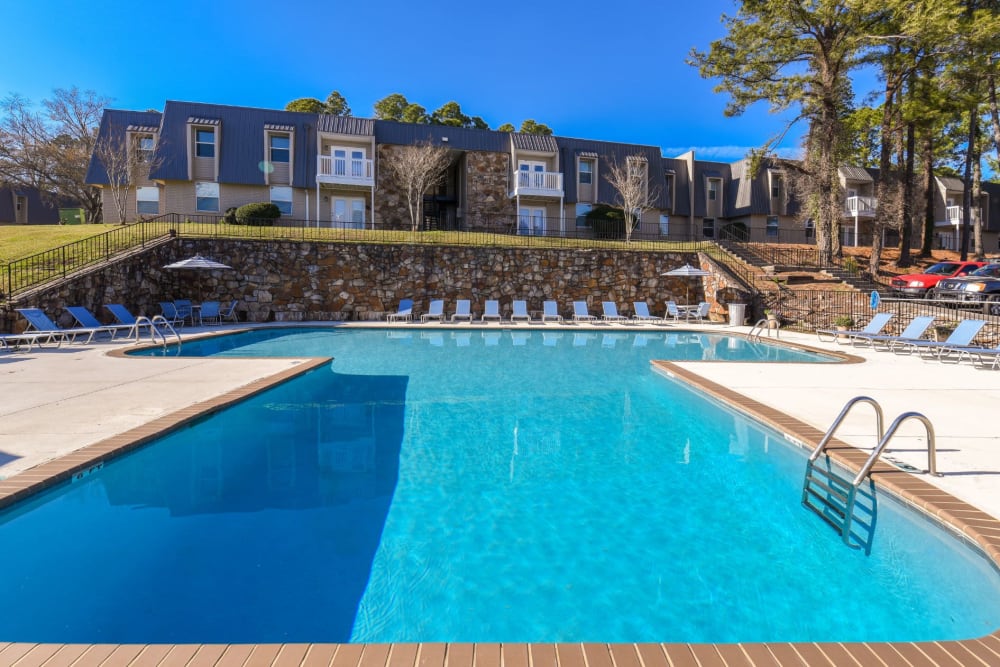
[(835, 498), (157, 325)]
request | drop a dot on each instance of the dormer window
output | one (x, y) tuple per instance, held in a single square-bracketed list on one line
[(145, 146), (280, 148), (586, 172), (204, 142), (713, 190)]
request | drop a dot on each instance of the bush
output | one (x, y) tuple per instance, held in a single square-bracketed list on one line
[(607, 222), (230, 217), (262, 214), (843, 321)]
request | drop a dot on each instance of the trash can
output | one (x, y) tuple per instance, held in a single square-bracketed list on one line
[(737, 313)]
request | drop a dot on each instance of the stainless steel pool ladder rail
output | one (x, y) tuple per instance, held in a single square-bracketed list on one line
[(757, 330), (826, 499), (158, 324)]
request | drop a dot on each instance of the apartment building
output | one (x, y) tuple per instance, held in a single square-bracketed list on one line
[(323, 170)]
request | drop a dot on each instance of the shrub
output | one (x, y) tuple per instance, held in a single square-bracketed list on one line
[(607, 222), (230, 217), (843, 321), (261, 214)]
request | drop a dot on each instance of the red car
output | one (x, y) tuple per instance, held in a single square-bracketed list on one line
[(917, 284)]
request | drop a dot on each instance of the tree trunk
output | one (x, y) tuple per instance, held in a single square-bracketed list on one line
[(927, 243), (977, 218), (967, 176), (886, 190), (906, 233)]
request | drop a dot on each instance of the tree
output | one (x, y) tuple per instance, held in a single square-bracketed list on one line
[(450, 114), (795, 54), (531, 127), (127, 162), (415, 169), (305, 105), (391, 107), (861, 127), (335, 105), (631, 182), (506, 127), (51, 150)]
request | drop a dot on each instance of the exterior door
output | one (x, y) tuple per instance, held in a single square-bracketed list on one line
[(348, 212), (531, 221), (532, 174)]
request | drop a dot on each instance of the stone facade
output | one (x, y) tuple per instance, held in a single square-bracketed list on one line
[(487, 179), (298, 281)]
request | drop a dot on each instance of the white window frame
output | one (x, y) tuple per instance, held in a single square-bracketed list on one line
[(282, 194), (270, 147), (203, 191), (771, 226), (197, 143), (145, 195), (664, 224), (582, 209), (348, 218), (590, 162), (713, 189)]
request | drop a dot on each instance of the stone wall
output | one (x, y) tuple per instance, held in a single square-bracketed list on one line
[(489, 205), (294, 281)]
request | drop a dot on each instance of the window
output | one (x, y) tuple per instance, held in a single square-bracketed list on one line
[(204, 143), (145, 147), (664, 225), (21, 201), (281, 148), (810, 228), (281, 196), (348, 213), (207, 196), (713, 190), (708, 228), (581, 214), (147, 200), (586, 172), (772, 225), (776, 190)]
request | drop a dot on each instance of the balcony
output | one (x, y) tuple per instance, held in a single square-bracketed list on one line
[(954, 215), (538, 184), (345, 171), (859, 207)]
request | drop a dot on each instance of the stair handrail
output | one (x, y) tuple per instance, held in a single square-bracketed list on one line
[(877, 452), (879, 420)]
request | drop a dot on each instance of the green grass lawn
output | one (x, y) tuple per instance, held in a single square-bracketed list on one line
[(22, 240)]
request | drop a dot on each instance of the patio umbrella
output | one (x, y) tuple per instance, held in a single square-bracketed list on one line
[(197, 262), (687, 271)]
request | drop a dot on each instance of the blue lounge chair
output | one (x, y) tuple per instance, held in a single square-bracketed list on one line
[(435, 312), (463, 310), (87, 320), (580, 312), (404, 313), (40, 323), (520, 311), (210, 313), (699, 312), (974, 352), (229, 312), (673, 311), (611, 312), (185, 310), (913, 331), (491, 311), (550, 311), (642, 314), (874, 327), (962, 336), (168, 309)]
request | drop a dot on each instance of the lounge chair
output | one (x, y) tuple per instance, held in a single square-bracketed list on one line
[(700, 312), (492, 311), (580, 312), (210, 313), (435, 312), (874, 327), (170, 313), (673, 311), (29, 338), (86, 320), (962, 336), (642, 314), (229, 312), (973, 352), (611, 312), (404, 313), (185, 310), (520, 311), (40, 323), (913, 331), (550, 311), (124, 318), (463, 310)]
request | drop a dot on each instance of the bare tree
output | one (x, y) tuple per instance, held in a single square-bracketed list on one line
[(631, 181), (127, 161), (51, 150), (415, 169)]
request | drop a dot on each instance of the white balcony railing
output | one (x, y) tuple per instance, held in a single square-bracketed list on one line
[(860, 207), (539, 183), (345, 171), (954, 215)]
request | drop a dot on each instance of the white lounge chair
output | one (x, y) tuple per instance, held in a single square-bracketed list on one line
[(520, 311), (434, 312), (642, 314), (463, 310), (700, 312), (962, 336), (404, 313), (491, 311), (611, 312), (580, 312), (550, 311), (874, 326)]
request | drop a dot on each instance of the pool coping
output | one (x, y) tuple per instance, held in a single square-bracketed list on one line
[(979, 528)]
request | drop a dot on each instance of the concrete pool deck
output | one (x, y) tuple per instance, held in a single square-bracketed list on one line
[(57, 401)]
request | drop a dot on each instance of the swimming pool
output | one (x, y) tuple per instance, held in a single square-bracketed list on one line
[(433, 488)]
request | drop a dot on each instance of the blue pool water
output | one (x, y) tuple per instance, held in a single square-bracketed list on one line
[(457, 486)]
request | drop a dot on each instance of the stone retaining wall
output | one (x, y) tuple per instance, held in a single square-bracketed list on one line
[(294, 281)]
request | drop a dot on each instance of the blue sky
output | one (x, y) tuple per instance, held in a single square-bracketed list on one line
[(597, 70)]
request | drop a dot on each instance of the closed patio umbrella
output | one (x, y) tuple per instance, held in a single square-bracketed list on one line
[(687, 271)]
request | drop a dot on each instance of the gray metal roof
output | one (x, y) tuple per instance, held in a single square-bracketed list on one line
[(606, 153), (951, 183), (856, 174), (115, 123), (534, 142), (459, 138), (361, 127)]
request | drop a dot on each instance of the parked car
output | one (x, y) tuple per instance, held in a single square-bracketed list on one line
[(918, 284), (982, 286)]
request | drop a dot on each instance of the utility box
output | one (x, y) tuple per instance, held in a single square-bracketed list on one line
[(72, 216), (737, 314)]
